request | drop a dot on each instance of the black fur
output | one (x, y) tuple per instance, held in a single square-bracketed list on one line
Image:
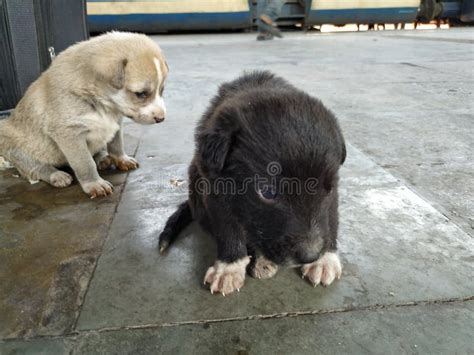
[(175, 225), (256, 120)]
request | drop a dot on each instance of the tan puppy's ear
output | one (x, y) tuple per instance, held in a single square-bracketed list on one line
[(112, 73), (118, 78)]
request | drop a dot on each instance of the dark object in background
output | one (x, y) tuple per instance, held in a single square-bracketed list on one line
[(31, 33), (467, 14)]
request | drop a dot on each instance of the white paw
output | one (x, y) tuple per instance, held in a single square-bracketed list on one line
[(5, 164), (60, 179), (125, 163), (98, 188), (263, 268), (225, 278), (324, 270)]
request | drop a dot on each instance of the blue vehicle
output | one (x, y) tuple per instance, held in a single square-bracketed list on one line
[(188, 15), (341, 12), (161, 16)]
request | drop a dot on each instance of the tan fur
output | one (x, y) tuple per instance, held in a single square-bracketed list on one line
[(75, 109), (263, 268)]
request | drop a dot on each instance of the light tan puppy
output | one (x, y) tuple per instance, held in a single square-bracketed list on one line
[(72, 115)]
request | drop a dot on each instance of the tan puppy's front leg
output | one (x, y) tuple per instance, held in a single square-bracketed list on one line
[(116, 152), (77, 154)]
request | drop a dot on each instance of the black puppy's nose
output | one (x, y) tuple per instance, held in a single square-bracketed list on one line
[(159, 119)]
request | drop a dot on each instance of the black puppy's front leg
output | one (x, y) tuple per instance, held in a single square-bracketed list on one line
[(328, 267), (228, 272)]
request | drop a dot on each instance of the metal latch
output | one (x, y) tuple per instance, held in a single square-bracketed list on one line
[(52, 53)]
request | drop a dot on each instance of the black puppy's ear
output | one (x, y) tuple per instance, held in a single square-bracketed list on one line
[(342, 144), (344, 152), (215, 144), (215, 147)]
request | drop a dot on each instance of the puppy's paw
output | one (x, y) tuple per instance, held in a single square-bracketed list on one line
[(263, 268), (324, 270), (98, 188), (105, 163), (60, 179), (125, 163), (225, 278)]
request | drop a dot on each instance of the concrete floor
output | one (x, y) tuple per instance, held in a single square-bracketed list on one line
[(84, 276)]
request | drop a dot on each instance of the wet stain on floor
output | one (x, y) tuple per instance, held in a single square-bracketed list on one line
[(50, 240)]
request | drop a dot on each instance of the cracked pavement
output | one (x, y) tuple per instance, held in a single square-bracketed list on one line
[(84, 276)]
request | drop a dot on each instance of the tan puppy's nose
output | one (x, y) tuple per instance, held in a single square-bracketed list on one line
[(159, 119), (159, 115)]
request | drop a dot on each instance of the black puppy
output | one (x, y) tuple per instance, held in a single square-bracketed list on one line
[(263, 182)]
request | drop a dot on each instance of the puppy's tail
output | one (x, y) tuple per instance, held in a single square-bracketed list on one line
[(175, 224)]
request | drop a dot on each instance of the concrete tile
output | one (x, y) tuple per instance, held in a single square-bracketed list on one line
[(411, 98), (448, 186), (434, 34), (422, 329), (395, 246), (403, 139), (154, 184), (46, 346), (409, 330), (359, 170), (432, 151), (49, 242), (325, 57)]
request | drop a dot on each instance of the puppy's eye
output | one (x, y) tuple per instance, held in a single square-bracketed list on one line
[(268, 192), (141, 94)]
